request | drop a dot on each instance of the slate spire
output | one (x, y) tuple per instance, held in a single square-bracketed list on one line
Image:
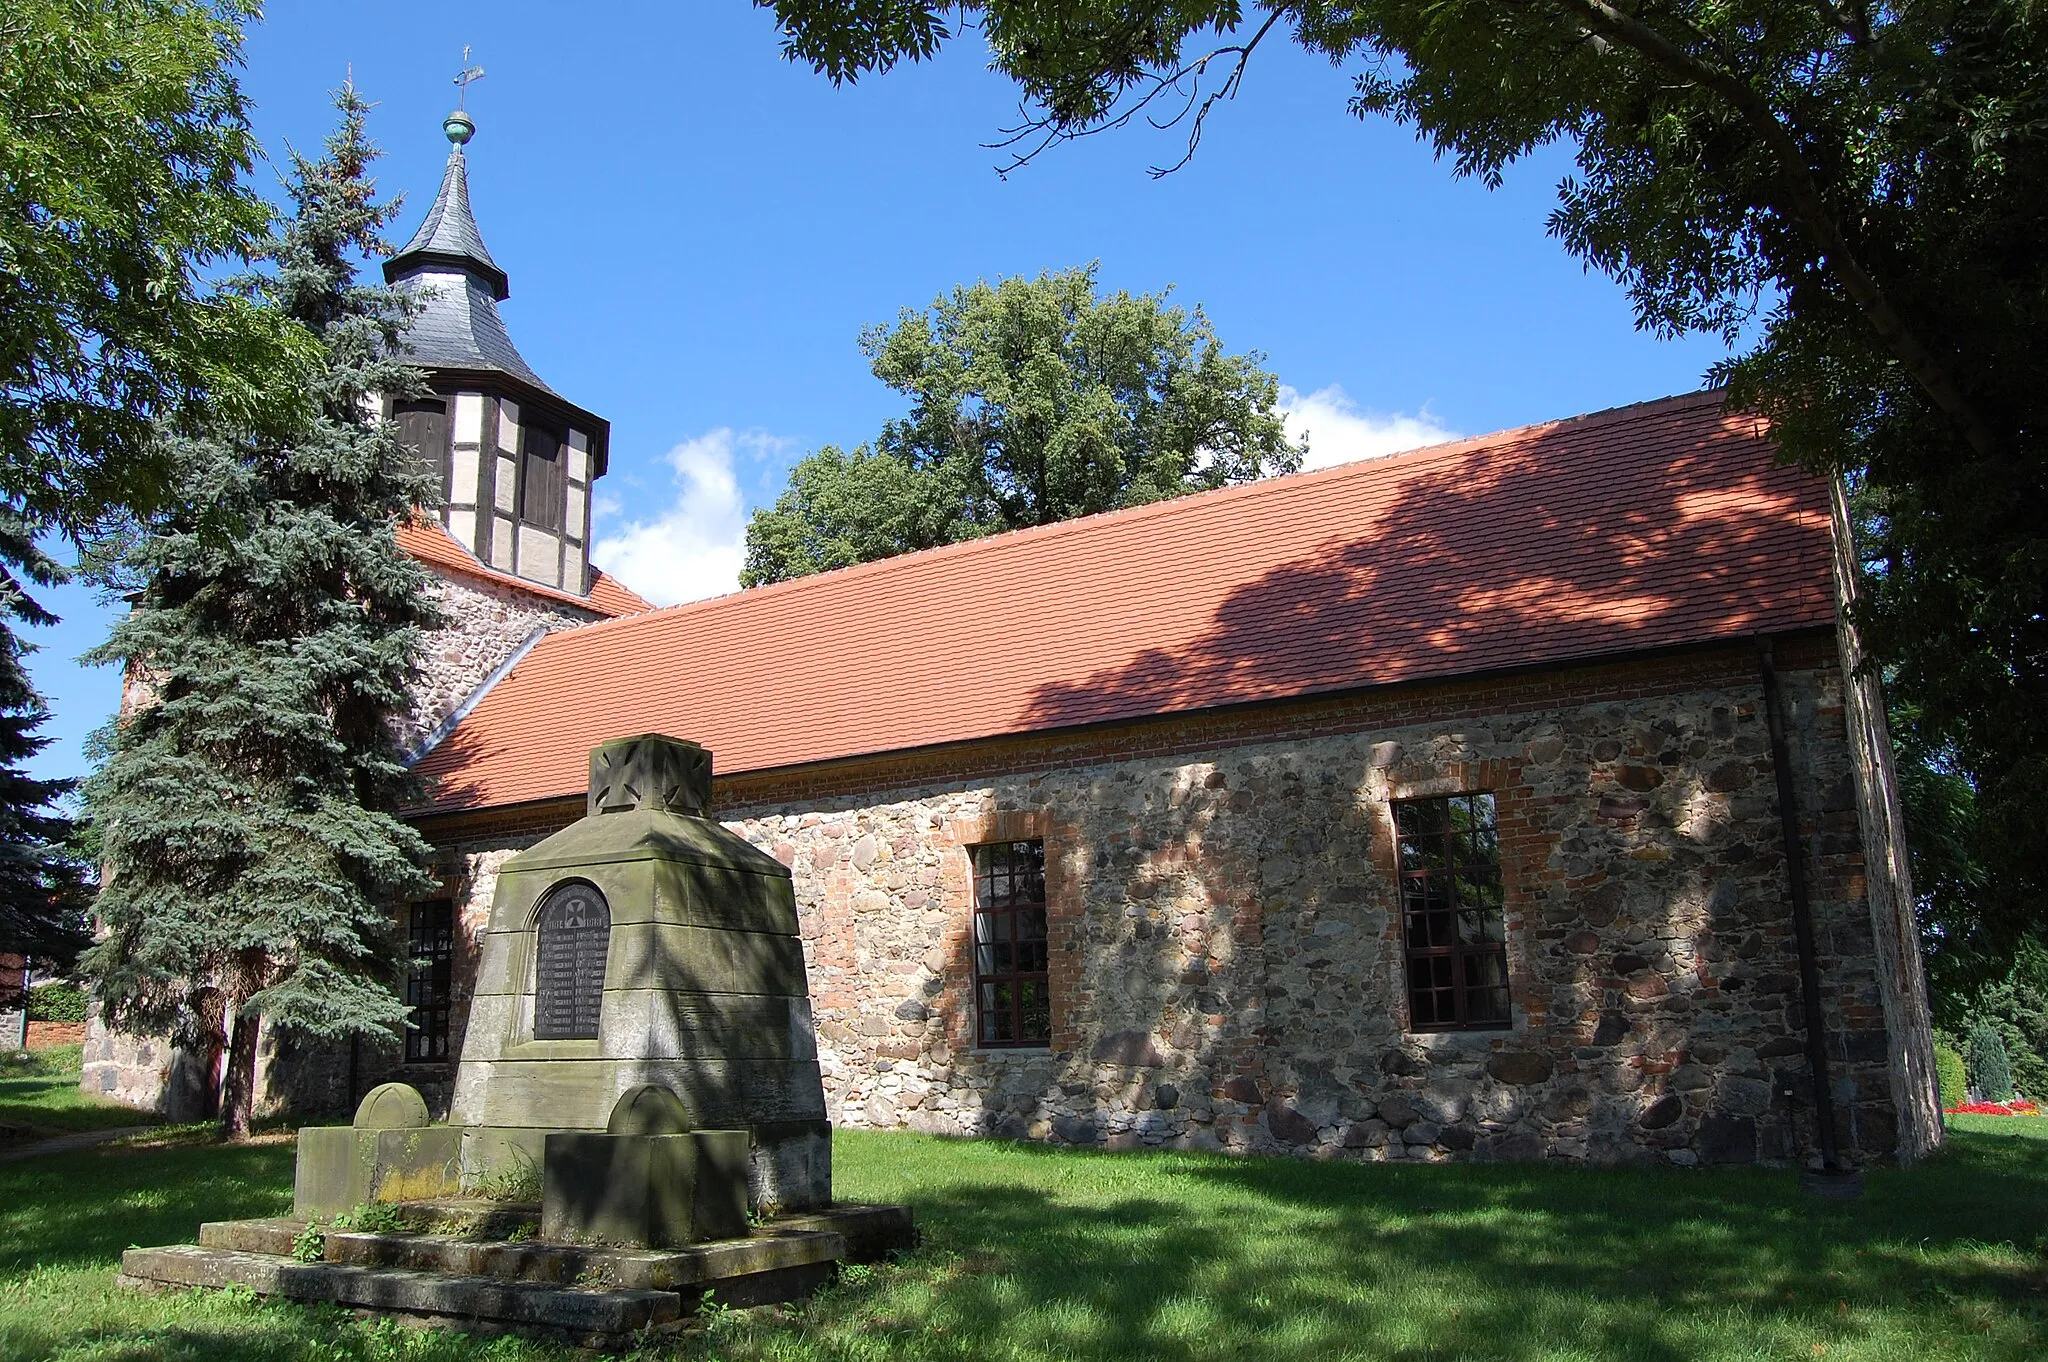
[(447, 264), (449, 237)]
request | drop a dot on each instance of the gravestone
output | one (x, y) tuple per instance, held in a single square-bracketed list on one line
[(650, 1179), (646, 944), (390, 1152)]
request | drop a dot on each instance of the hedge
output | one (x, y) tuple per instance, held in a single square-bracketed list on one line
[(56, 1003), (1955, 1080)]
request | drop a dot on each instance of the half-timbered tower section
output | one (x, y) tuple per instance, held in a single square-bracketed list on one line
[(517, 459)]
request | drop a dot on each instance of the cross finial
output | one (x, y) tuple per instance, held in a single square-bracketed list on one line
[(466, 77)]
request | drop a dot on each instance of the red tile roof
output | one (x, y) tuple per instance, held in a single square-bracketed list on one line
[(430, 542), (1648, 526)]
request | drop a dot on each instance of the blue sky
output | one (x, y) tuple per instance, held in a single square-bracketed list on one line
[(696, 232)]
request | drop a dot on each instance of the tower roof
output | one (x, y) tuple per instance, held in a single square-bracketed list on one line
[(448, 267), (449, 237)]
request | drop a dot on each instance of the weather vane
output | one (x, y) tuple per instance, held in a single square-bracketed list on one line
[(467, 76)]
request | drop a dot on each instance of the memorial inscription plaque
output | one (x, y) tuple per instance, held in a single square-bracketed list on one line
[(575, 931)]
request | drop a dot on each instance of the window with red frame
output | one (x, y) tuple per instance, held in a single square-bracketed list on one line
[(1012, 1003), (1448, 854)]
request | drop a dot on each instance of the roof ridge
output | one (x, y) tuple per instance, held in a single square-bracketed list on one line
[(1178, 504)]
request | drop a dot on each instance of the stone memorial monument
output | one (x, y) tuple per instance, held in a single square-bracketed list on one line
[(646, 944), (641, 1037)]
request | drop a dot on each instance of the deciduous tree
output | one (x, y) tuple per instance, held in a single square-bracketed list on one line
[(123, 146), (1857, 187), (124, 141), (1032, 401)]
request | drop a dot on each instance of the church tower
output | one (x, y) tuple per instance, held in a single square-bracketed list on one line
[(516, 459)]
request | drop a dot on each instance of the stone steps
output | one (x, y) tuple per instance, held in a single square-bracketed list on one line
[(273, 1235), (871, 1232), (589, 1317), (725, 1264), (455, 1266)]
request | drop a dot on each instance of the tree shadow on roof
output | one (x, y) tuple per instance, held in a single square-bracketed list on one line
[(1540, 550)]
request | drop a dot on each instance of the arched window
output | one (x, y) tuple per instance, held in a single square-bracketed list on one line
[(575, 931)]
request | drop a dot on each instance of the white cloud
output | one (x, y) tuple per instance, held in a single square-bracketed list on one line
[(1338, 430), (693, 548)]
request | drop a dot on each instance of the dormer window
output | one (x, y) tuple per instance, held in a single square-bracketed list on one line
[(541, 486)]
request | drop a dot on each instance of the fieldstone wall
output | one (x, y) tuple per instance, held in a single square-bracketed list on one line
[(1227, 963), (487, 622), (179, 1077)]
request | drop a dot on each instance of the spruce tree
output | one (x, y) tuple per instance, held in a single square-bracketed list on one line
[(42, 894), (1990, 1066), (247, 808)]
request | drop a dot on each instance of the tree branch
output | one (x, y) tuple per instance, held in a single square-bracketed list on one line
[(1807, 206), (1048, 129)]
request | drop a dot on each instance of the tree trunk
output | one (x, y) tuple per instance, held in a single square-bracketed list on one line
[(238, 1082)]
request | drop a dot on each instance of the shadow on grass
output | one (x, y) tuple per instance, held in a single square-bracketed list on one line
[(1036, 1253), (36, 1106), (82, 1209), (1285, 1259)]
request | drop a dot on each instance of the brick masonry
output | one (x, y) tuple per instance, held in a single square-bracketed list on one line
[(1227, 964)]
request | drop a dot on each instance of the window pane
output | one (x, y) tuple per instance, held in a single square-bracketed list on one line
[(1487, 1005), (1036, 1007), (1428, 930), (1424, 853), (1425, 893), (1031, 922), (1452, 904), (430, 934), (1488, 969), (995, 1012), (1478, 887), (1420, 817), (1011, 957)]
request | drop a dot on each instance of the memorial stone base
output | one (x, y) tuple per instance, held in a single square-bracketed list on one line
[(483, 1267)]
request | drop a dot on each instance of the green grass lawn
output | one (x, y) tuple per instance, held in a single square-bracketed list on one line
[(2011, 1127), (39, 1098), (1033, 1253)]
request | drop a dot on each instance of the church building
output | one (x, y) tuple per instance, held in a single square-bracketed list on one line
[(1512, 798)]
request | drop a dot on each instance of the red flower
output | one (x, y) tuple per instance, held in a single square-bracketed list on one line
[(2019, 1106)]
